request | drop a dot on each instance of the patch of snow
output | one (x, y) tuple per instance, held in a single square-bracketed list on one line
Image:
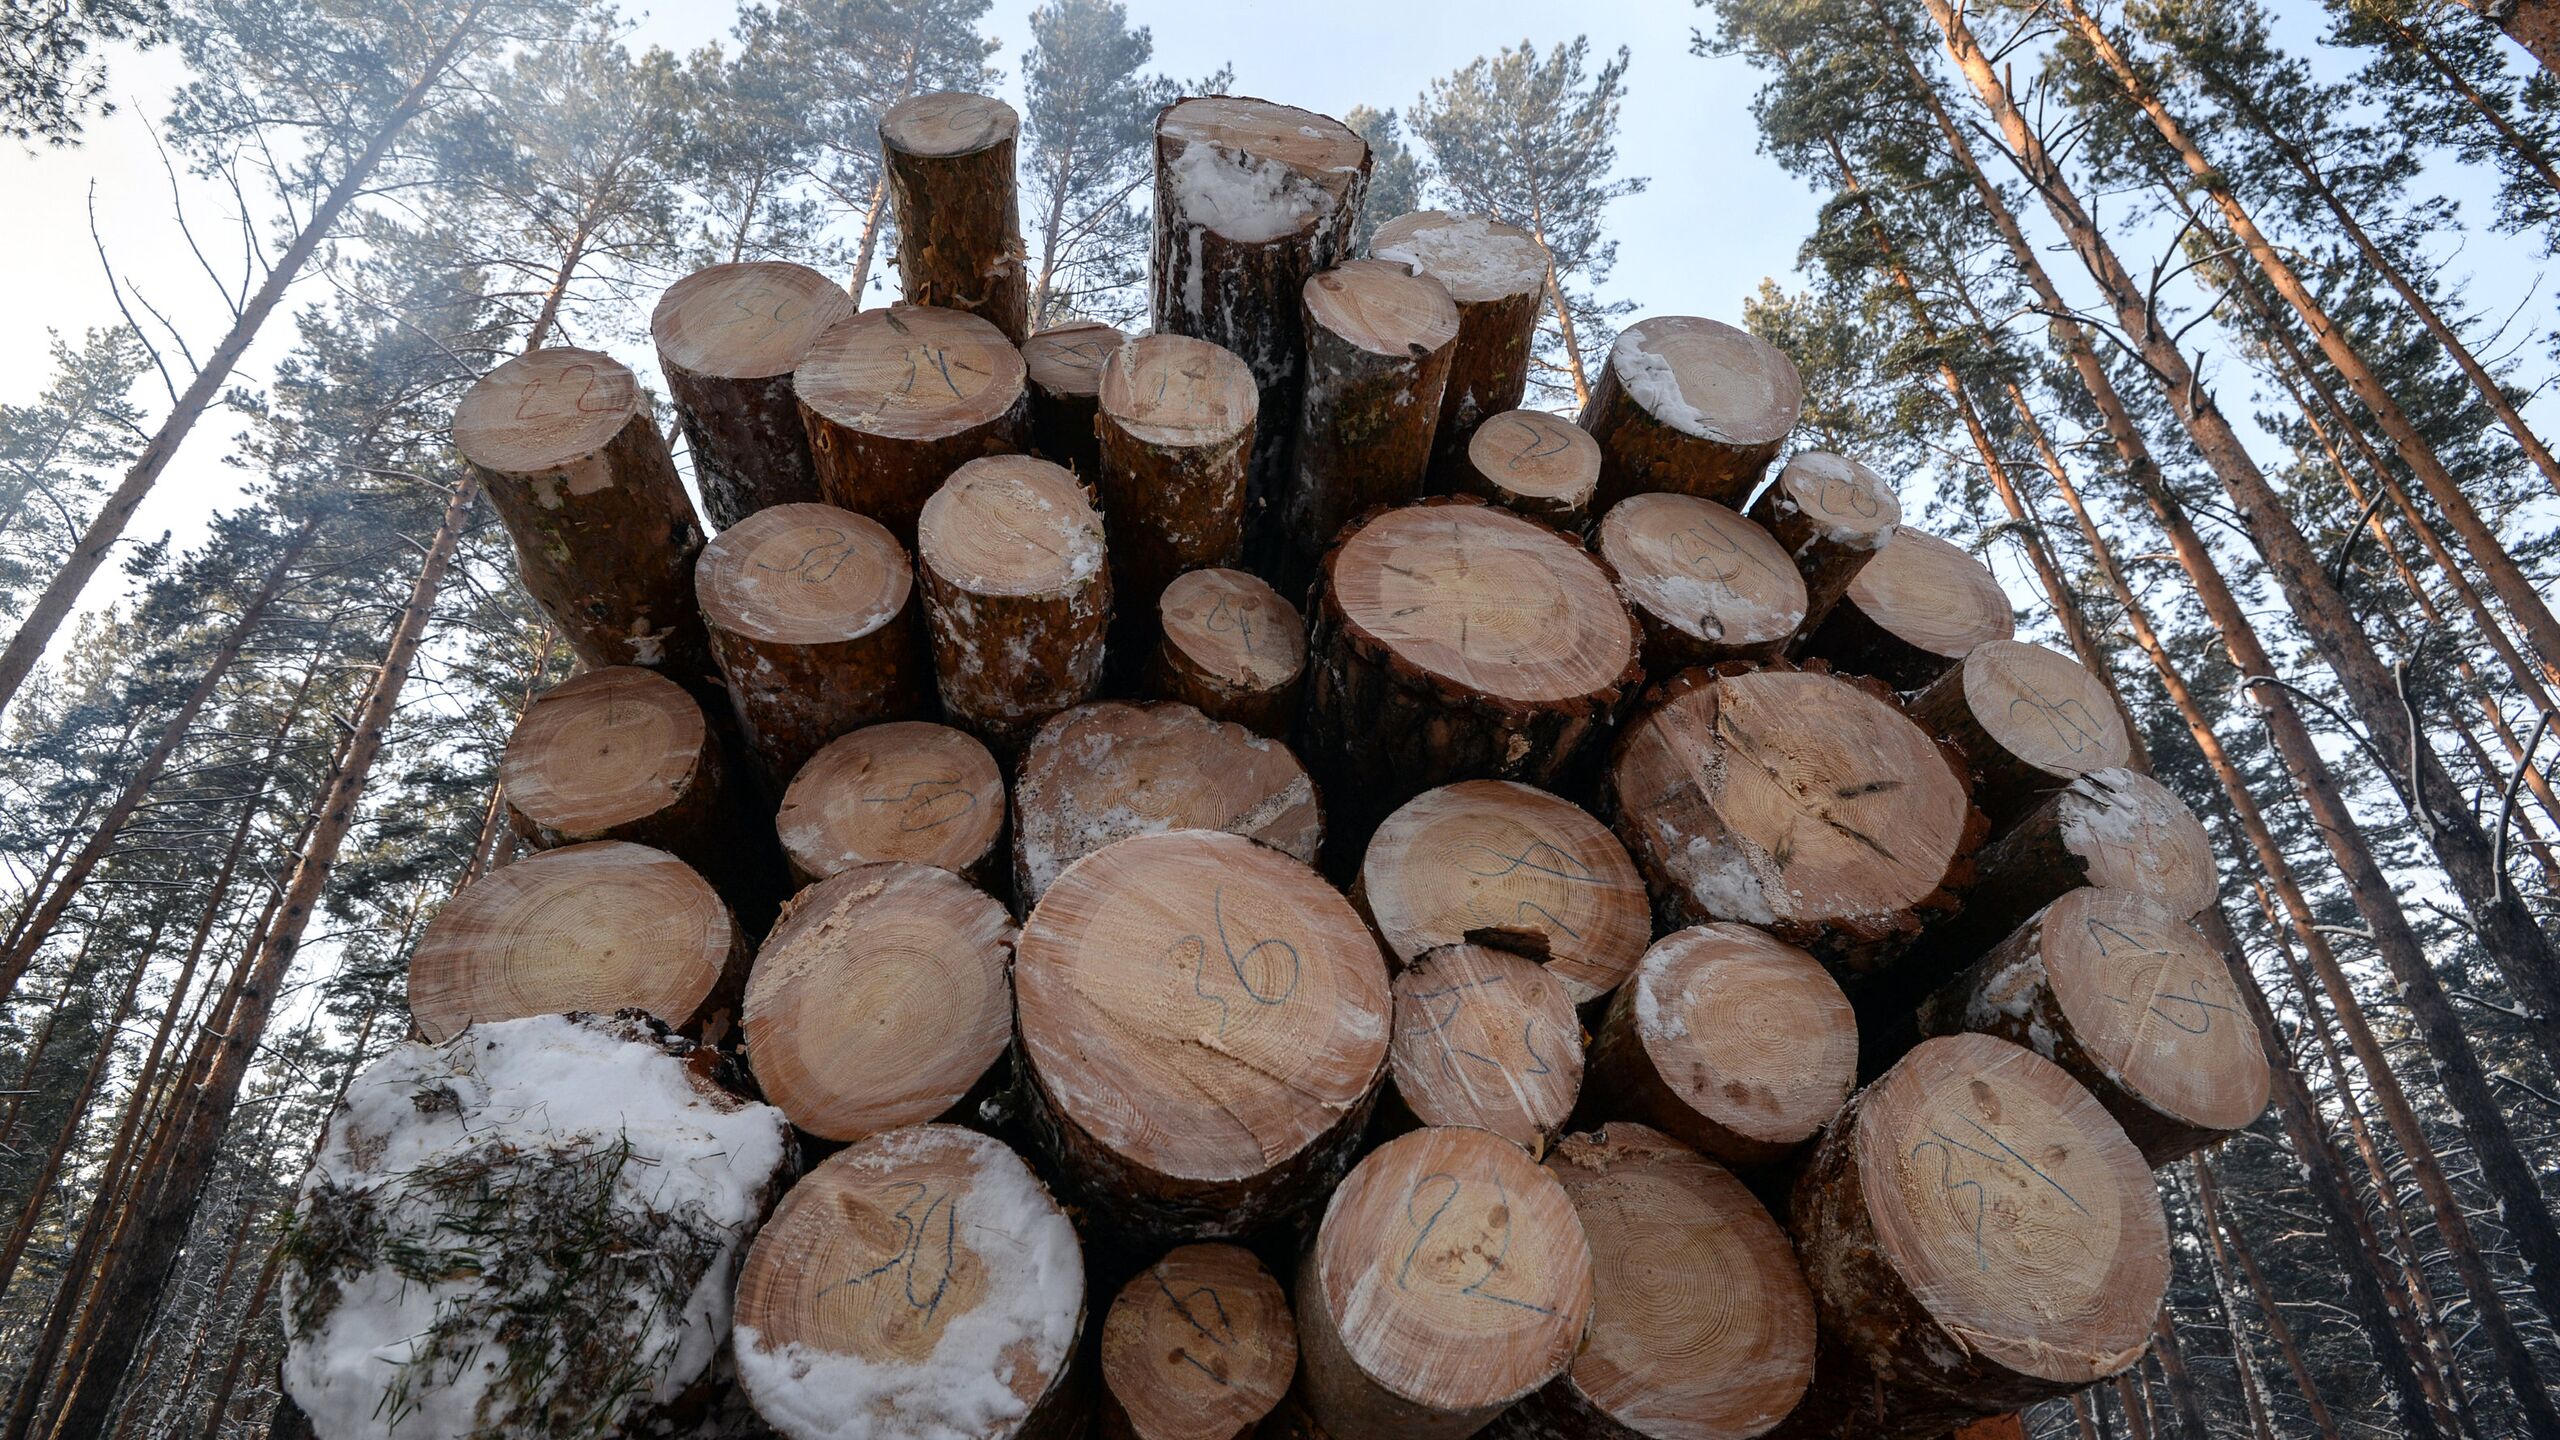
[(1245, 198), (1655, 385)]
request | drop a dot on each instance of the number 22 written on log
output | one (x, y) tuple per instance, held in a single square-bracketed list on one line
[(543, 396), (1950, 1150), (1497, 1221), (927, 1247), (1193, 950)]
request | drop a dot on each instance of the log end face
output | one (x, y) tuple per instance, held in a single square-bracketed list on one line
[(1836, 499), (545, 411), (1748, 1032), (1382, 307), (752, 320), (1233, 628), (1708, 380), (911, 372), (603, 749), (1476, 257), (1175, 392), (803, 575), (1931, 596), (1537, 457), (1011, 525), (1486, 1038), (1067, 360), (907, 790), (1702, 571), (2043, 711), (945, 123), (1201, 1343), (2131, 832)]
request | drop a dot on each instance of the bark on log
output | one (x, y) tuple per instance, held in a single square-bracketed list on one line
[(2115, 829), (2134, 1003), (1916, 609), (1729, 1041), (907, 790), (896, 400), (879, 1000), (813, 619), (1251, 199), (1455, 641), (1199, 1346), (603, 926), (1063, 367), (1701, 1326), (1017, 595), (1707, 585), (1176, 429), (1539, 465), (949, 163), (1497, 274), (1379, 342), (1204, 1024), (2029, 720), (921, 1282), (729, 338), (1833, 515), (605, 538), (1803, 803), (1449, 1279), (1228, 645), (1692, 406), (1104, 772), (1511, 866), (1487, 1038), (620, 753)]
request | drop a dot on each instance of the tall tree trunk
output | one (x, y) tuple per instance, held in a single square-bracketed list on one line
[(2522, 144), (2533, 24), (2173, 1371), (2218, 1228)]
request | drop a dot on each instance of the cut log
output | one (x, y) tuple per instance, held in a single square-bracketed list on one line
[(813, 619), (1728, 1040), (1978, 1235), (1379, 342), (1104, 772), (1228, 645), (1497, 275), (1251, 199), (1701, 1326), (1803, 803), (1063, 367), (1912, 612), (1204, 1023), (879, 1000), (1707, 585), (1832, 515), (896, 400), (603, 927), (949, 164), (2030, 720), (1486, 1038), (1200, 1346), (1691, 406), (1511, 866), (1016, 594), (540, 1220), (729, 338), (906, 790), (1539, 465), (921, 1282), (1449, 1279), (2115, 829), (2134, 1003), (604, 536), (1176, 426), (1455, 641), (620, 753)]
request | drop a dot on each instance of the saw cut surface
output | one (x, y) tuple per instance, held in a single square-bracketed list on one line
[(1700, 567), (601, 749), (1932, 596), (545, 410), (748, 321), (803, 575), (911, 372), (2152, 1004)]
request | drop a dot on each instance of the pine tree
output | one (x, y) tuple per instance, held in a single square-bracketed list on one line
[(49, 79), (1397, 176), (52, 453)]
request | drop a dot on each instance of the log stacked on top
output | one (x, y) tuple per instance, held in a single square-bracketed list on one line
[(729, 340)]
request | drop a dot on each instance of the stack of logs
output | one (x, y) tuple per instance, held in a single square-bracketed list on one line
[(1485, 922)]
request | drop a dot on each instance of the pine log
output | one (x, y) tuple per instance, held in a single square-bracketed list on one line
[(604, 536), (729, 338), (1730, 1041), (813, 619), (1017, 597), (1916, 609), (1978, 1235), (896, 400), (602, 927), (1487, 1038), (1449, 1279), (1176, 428), (1199, 1346), (1106, 771), (1539, 465), (1497, 274), (1251, 199), (1707, 585), (1063, 367), (2115, 829), (1456, 641), (949, 164), (620, 753), (879, 1000), (1701, 1326), (1512, 866), (2134, 1003), (921, 1282), (1691, 406), (1379, 342), (2030, 720), (1204, 1024), (1800, 802), (1832, 515), (1228, 645), (907, 790)]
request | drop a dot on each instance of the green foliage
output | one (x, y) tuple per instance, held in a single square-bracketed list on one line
[(1397, 176), (49, 77), (55, 452)]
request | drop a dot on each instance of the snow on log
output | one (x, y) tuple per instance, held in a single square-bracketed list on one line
[(2115, 829), (1497, 275), (1176, 423), (1693, 406), (908, 790), (1916, 609), (1528, 461), (949, 163), (1198, 1346), (2030, 720), (1228, 645), (1832, 515), (1017, 594), (729, 338), (1706, 584), (1063, 366), (1486, 1038), (897, 399)]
